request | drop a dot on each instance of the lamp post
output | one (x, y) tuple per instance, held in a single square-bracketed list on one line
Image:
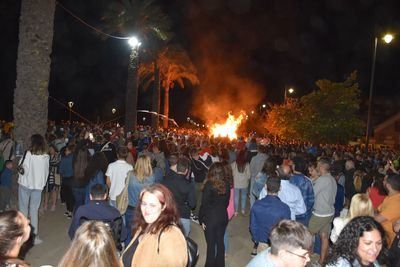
[(387, 38), (113, 111), (132, 86), (290, 91), (70, 105)]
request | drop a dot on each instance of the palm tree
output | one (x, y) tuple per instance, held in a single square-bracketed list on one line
[(175, 67), (146, 20), (33, 68)]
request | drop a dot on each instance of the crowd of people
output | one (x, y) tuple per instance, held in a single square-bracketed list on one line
[(132, 198)]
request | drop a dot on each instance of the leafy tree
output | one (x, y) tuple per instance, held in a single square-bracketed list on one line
[(281, 120), (330, 113), (175, 67), (146, 20), (327, 115), (33, 68)]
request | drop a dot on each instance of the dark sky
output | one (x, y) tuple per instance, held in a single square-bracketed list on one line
[(271, 44)]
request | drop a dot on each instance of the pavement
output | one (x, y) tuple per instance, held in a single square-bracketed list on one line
[(53, 227)]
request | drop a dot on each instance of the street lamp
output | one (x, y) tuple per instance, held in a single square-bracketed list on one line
[(70, 105), (113, 111), (132, 86), (387, 38), (290, 91)]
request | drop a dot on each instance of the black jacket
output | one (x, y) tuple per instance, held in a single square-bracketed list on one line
[(199, 170), (213, 206), (183, 191)]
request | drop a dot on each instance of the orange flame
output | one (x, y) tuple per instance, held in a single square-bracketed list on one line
[(229, 128)]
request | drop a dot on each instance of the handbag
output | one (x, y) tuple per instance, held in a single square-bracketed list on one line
[(122, 198), (192, 249), (20, 167)]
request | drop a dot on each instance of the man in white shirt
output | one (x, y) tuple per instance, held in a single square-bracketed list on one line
[(116, 174), (289, 193)]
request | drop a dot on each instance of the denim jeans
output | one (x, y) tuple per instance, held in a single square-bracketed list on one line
[(252, 196), (242, 192), (129, 215), (29, 203), (186, 226)]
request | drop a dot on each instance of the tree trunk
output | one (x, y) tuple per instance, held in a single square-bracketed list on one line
[(166, 107), (33, 69), (156, 96), (132, 93)]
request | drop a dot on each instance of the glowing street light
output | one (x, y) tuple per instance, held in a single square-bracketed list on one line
[(252, 112), (134, 42), (70, 105), (387, 38), (264, 105), (113, 111)]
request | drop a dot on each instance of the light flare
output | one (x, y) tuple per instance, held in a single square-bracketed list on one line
[(229, 128)]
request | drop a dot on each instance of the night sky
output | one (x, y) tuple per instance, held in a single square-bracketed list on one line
[(263, 46)]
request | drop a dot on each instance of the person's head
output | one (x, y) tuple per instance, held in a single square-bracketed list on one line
[(143, 168), (392, 183), (241, 160), (273, 185), (291, 243), (262, 149), (92, 246), (14, 232), (323, 166), (313, 170), (38, 144), (349, 165), (357, 180), (360, 205), (299, 164), (173, 160), (216, 176), (182, 166), (156, 209), (8, 164), (378, 182), (52, 149), (362, 239), (98, 192), (194, 153), (122, 152), (269, 167)]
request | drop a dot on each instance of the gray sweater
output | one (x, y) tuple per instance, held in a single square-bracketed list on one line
[(325, 188)]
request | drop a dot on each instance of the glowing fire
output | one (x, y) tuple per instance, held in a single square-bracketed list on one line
[(229, 128)]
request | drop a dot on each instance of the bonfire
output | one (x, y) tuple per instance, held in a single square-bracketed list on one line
[(229, 128)]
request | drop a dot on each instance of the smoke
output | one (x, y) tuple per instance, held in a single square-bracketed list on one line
[(222, 54)]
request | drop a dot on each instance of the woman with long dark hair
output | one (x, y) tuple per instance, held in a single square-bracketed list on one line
[(94, 172), (213, 215), (359, 244)]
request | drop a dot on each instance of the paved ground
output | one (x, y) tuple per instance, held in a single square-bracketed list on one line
[(54, 225)]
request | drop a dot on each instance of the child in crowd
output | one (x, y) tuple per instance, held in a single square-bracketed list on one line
[(5, 185)]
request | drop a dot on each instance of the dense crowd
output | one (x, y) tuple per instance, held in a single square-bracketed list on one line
[(132, 198)]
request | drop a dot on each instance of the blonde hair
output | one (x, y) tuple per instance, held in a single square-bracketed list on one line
[(143, 168), (92, 246), (357, 180), (360, 205)]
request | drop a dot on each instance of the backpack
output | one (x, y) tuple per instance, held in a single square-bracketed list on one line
[(122, 198)]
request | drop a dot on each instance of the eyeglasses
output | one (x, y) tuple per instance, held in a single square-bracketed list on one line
[(307, 254)]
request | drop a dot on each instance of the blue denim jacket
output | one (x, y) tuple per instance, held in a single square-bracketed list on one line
[(135, 186)]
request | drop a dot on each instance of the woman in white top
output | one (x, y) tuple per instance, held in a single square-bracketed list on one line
[(35, 163), (360, 205), (241, 176)]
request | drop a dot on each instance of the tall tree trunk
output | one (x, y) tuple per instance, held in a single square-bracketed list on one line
[(166, 107), (132, 92), (156, 95), (33, 69)]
